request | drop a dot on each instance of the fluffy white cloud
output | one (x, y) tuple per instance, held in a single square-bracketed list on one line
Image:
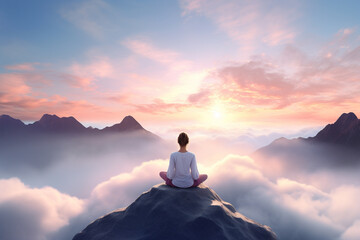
[(121, 190), (294, 210), (33, 213), (353, 232)]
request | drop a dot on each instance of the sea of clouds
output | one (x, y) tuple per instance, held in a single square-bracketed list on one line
[(58, 208)]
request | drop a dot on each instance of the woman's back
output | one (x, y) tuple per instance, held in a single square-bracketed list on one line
[(183, 169)]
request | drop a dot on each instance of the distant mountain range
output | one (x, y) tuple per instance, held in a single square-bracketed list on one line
[(52, 124), (52, 140), (336, 145)]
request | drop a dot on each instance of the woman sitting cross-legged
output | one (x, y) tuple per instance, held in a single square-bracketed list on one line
[(182, 171)]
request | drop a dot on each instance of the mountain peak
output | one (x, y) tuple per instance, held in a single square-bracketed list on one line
[(48, 117), (347, 119), (130, 122), (9, 124), (127, 124), (4, 116), (164, 212), (53, 123), (345, 131)]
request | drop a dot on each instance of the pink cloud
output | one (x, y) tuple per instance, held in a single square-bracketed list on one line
[(201, 97), (249, 23), (86, 83), (353, 55), (295, 86), (20, 96), (100, 67), (276, 37), (119, 98), (158, 106), (249, 84), (22, 67), (148, 50), (13, 84), (85, 75)]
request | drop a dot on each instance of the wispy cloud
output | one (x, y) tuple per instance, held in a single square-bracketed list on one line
[(89, 16), (158, 106), (22, 94), (249, 23), (148, 50), (85, 76), (22, 67)]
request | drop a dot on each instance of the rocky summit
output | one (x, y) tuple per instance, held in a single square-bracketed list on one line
[(178, 214)]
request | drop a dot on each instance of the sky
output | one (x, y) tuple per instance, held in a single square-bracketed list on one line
[(203, 66), (235, 74)]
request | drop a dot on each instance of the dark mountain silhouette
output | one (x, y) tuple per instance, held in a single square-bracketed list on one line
[(52, 124), (336, 145), (127, 124), (53, 139), (345, 131), (9, 124), (177, 214)]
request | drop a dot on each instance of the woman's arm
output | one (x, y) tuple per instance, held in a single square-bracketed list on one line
[(194, 170), (171, 170)]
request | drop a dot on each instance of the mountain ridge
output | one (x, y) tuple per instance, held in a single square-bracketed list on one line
[(345, 131), (52, 124), (8, 124), (337, 145)]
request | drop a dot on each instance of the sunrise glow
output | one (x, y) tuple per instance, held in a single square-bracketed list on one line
[(96, 95), (264, 73)]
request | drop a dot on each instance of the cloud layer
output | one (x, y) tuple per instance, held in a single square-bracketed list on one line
[(293, 209), (33, 213)]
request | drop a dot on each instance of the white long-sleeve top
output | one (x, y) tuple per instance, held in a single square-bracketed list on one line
[(183, 169)]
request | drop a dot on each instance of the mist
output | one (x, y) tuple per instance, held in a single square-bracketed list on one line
[(293, 209), (320, 164), (81, 179), (75, 164)]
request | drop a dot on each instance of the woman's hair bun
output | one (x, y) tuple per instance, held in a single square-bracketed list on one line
[(183, 139)]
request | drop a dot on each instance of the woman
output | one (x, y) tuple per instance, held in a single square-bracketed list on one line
[(181, 162)]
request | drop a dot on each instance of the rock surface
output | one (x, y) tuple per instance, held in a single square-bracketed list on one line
[(173, 213)]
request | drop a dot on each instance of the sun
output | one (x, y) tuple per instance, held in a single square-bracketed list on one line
[(216, 114)]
